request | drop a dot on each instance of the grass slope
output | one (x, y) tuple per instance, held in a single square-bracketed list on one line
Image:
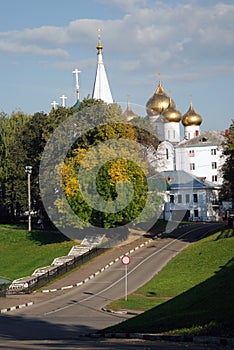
[(200, 283), (21, 252)]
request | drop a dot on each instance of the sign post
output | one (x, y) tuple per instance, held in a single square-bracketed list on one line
[(126, 261)]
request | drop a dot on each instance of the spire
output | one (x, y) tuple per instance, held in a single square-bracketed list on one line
[(128, 103), (159, 77), (160, 89), (99, 46), (191, 101), (101, 88)]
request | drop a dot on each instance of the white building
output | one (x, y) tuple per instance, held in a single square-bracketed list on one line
[(191, 163), (190, 197), (202, 156)]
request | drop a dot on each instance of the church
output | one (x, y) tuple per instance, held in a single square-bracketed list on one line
[(188, 159), (191, 161)]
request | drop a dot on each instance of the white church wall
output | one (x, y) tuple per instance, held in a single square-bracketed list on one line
[(164, 157), (191, 131), (159, 127), (172, 132)]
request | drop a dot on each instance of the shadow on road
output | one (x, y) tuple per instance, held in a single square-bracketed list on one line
[(24, 328)]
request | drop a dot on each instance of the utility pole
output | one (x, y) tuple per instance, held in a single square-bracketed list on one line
[(28, 170)]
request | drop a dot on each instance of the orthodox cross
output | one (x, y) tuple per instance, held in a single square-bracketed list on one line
[(76, 72), (63, 98), (54, 104)]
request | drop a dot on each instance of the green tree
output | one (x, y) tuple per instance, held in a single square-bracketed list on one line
[(124, 166), (3, 167), (13, 161), (228, 167)]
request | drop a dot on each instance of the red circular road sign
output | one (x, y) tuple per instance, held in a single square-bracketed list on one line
[(125, 259)]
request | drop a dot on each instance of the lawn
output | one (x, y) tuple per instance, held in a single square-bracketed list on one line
[(21, 252), (192, 294)]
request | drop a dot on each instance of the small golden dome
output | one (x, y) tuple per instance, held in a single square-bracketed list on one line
[(191, 117), (171, 114), (129, 114)]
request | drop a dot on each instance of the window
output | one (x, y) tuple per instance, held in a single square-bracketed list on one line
[(171, 198), (191, 153), (187, 198), (214, 178), (213, 151), (214, 165), (195, 197), (167, 153), (196, 213), (179, 198), (192, 166)]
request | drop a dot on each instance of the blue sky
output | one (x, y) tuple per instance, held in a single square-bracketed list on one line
[(190, 42)]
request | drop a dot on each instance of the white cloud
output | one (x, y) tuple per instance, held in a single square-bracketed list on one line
[(150, 34), (128, 5), (17, 48)]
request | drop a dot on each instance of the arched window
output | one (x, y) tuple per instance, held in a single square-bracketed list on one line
[(167, 153)]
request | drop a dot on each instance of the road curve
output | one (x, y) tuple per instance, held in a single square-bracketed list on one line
[(78, 311)]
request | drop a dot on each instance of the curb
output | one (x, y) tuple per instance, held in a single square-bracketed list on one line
[(12, 308), (123, 312), (165, 337), (85, 280), (79, 283), (98, 272)]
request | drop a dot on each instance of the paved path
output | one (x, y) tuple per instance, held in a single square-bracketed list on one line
[(87, 269), (76, 276)]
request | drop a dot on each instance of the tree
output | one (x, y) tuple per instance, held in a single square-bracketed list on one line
[(228, 167), (105, 171), (13, 160), (3, 167), (22, 141)]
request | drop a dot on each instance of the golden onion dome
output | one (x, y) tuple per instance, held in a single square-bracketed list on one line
[(191, 117), (171, 114), (129, 114), (159, 102)]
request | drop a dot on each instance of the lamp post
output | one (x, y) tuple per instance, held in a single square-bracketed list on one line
[(28, 170)]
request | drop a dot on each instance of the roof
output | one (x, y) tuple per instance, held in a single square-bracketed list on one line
[(76, 105), (208, 138), (182, 179), (158, 182)]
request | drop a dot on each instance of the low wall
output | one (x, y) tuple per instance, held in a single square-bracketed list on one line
[(35, 282)]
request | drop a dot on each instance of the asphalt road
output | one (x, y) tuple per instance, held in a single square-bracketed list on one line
[(106, 344), (66, 317)]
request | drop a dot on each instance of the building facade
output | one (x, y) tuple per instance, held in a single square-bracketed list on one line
[(191, 163)]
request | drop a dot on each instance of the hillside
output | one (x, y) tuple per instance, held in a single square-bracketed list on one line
[(206, 307)]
